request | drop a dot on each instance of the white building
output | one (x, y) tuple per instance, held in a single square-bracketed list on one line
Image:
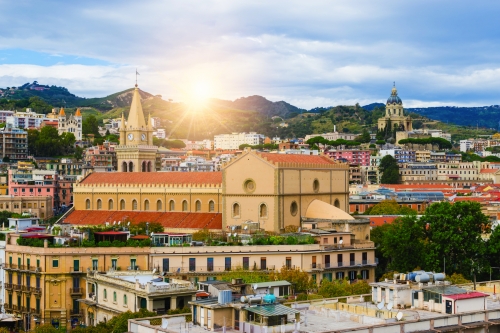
[(160, 133), (201, 144), (28, 119), (466, 145), (235, 140), (71, 124), (333, 136), (4, 114)]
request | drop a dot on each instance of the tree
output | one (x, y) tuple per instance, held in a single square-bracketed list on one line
[(90, 126), (364, 137), (389, 207), (298, 278), (390, 170), (338, 288), (46, 328)]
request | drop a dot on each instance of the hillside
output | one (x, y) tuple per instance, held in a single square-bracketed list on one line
[(485, 116), (261, 105)]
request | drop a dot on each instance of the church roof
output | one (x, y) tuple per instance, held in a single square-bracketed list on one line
[(62, 113), (166, 219), (136, 115), (78, 113), (394, 98), (295, 158), (153, 178), (318, 209)]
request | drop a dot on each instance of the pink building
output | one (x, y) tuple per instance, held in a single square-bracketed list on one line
[(361, 157), (34, 183)]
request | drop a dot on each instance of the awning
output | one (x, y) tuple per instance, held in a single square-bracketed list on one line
[(272, 310)]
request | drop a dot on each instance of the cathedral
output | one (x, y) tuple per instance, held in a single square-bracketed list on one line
[(71, 124), (136, 152), (394, 114)]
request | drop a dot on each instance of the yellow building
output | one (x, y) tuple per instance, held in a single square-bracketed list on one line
[(394, 114), (136, 152), (43, 284)]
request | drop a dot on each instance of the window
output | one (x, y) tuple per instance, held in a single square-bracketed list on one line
[(105, 294), (340, 263), (211, 206), (284, 291), (146, 204), (325, 240), (134, 204), (236, 210), (198, 206), (184, 206), (158, 206), (95, 263), (246, 263), (316, 186), (76, 265), (288, 262), (227, 264), (110, 204), (114, 296), (339, 275), (337, 203), (294, 208), (122, 204), (171, 205), (166, 264), (55, 263), (210, 264), (124, 299), (114, 263), (263, 211), (263, 263), (192, 264), (87, 204), (365, 274), (99, 204), (133, 263)]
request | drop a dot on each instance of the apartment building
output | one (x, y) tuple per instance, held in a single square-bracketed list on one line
[(28, 119), (33, 183), (14, 144), (235, 140), (102, 158), (39, 206), (333, 136), (361, 157)]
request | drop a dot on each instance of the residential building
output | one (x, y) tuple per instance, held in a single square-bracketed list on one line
[(114, 292), (14, 143), (33, 183), (394, 114), (45, 284), (28, 119), (361, 157), (445, 157), (422, 156), (40, 206), (4, 114), (233, 141), (70, 124), (102, 158), (160, 133), (333, 136)]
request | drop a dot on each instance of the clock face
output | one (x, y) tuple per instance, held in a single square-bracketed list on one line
[(130, 136), (143, 137)]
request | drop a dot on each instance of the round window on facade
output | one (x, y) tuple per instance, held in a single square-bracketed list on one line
[(316, 185), (294, 208), (249, 185)]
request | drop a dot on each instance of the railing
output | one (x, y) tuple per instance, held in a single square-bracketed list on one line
[(76, 269), (342, 264), (14, 307), (35, 311), (7, 306), (76, 312), (26, 288), (216, 269), (9, 286), (36, 290), (75, 291), (17, 287), (10, 266)]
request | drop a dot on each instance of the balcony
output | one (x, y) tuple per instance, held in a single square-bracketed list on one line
[(35, 311), (9, 286), (17, 287), (76, 312), (76, 270), (26, 289), (215, 269), (349, 264), (36, 290), (76, 291), (10, 266)]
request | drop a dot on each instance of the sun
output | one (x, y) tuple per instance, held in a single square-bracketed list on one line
[(199, 93)]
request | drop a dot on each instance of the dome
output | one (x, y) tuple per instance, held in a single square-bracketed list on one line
[(318, 209), (394, 98)]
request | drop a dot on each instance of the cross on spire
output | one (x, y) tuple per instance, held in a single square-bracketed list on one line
[(393, 83), (136, 73)]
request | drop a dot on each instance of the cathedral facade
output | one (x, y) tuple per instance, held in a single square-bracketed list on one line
[(70, 124), (394, 114)]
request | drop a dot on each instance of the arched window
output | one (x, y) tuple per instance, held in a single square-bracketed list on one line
[(171, 205), (99, 204), (143, 166), (184, 206), (198, 205), (122, 204), (124, 167), (146, 204), (105, 292), (134, 204), (110, 204), (294, 208), (130, 167), (263, 210), (87, 204), (124, 299), (211, 206), (236, 210), (316, 186), (149, 166), (114, 296), (159, 206), (337, 203)]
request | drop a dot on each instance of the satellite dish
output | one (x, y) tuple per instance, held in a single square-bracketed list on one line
[(119, 222), (254, 286), (233, 227), (246, 227), (341, 241), (154, 271), (128, 223), (389, 306), (152, 234), (114, 222), (399, 316), (380, 305)]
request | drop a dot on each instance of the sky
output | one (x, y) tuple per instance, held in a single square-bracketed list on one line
[(313, 53)]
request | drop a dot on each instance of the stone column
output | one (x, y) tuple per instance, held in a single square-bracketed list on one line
[(173, 302)]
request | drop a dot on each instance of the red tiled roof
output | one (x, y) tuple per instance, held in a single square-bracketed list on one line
[(293, 158), (476, 199), (489, 170), (377, 221), (167, 219), (154, 178), (140, 237), (472, 294), (110, 233), (397, 187)]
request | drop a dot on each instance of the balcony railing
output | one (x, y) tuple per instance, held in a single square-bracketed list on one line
[(7, 306), (17, 287), (76, 291), (36, 290), (35, 311), (76, 312), (76, 270), (216, 269), (10, 266), (9, 286)]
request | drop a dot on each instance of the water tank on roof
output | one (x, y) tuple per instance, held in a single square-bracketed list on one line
[(411, 276), (225, 296), (439, 276), (422, 278), (269, 299)]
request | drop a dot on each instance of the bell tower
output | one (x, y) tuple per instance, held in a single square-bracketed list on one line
[(136, 152)]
